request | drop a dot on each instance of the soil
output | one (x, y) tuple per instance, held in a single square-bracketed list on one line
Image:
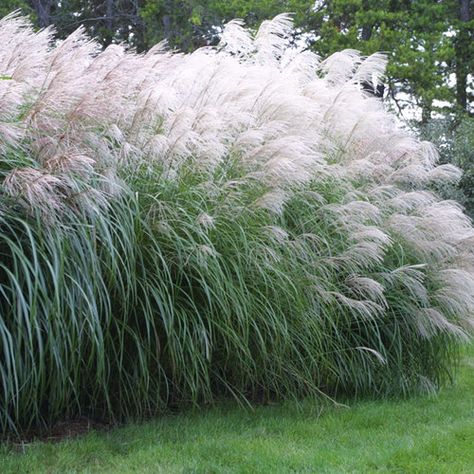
[(60, 431)]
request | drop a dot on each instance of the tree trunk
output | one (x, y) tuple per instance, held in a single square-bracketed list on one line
[(42, 9), (109, 21), (366, 28), (138, 27), (462, 54), (426, 109)]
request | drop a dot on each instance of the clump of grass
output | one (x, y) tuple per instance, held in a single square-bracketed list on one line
[(243, 220)]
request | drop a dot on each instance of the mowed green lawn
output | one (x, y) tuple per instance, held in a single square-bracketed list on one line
[(432, 435)]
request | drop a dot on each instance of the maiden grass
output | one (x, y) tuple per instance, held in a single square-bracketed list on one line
[(167, 239)]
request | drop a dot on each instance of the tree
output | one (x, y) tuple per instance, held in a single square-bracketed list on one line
[(108, 21), (8, 6), (464, 53)]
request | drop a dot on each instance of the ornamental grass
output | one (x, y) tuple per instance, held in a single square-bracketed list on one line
[(243, 221)]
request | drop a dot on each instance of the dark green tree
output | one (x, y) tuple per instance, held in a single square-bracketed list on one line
[(8, 6)]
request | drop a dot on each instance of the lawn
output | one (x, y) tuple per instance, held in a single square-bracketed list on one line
[(422, 434)]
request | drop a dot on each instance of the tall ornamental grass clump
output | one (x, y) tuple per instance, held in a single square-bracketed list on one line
[(241, 221)]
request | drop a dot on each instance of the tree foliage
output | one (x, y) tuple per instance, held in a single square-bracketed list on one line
[(429, 42)]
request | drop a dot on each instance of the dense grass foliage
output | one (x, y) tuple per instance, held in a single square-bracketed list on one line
[(241, 221)]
